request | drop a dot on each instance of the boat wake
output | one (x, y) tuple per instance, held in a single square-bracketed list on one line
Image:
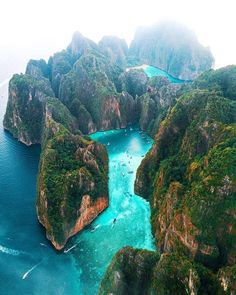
[(94, 228), (30, 270), (68, 250), (10, 251)]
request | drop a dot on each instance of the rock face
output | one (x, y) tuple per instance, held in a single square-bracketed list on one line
[(24, 114), (139, 272), (189, 177), (115, 49), (72, 184), (171, 47), (89, 91), (80, 45), (155, 103), (134, 82), (189, 192)]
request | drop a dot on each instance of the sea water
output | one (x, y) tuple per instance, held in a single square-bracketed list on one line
[(153, 72), (28, 263)]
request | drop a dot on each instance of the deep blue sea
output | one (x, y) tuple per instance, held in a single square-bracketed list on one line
[(28, 263)]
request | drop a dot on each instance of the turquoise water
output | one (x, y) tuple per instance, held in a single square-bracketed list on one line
[(126, 149), (28, 263), (153, 71)]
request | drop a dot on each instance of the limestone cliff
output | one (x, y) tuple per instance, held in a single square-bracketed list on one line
[(138, 272), (72, 183), (134, 82), (89, 91), (189, 177), (171, 47), (115, 49), (72, 188), (188, 192), (24, 113), (155, 103)]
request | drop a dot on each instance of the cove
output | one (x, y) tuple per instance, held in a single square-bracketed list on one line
[(96, 246), (28, 263), (152, 71)]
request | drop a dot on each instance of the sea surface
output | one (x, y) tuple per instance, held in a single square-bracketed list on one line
[(28, 263)]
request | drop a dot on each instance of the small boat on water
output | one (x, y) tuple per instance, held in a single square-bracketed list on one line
[(68, 250), (94, 228)]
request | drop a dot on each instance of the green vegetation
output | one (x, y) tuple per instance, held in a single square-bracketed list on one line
[(70, 168), (137, 272), (189, 177), (115, 49), (24, 114)]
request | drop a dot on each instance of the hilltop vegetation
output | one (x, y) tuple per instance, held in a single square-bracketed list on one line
[(189, 175), (189, 178)]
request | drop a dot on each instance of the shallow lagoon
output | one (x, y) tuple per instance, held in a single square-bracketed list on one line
[(153, 72)]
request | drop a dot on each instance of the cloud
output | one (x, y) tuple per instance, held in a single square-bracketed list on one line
[(47, 26)]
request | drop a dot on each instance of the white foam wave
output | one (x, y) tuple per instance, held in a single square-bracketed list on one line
[(29, 271), (9, 251)]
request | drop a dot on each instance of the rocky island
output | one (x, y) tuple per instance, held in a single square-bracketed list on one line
[(188, 176)]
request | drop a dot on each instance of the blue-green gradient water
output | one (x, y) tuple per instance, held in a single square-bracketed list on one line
[(28, 263), (153, 71)]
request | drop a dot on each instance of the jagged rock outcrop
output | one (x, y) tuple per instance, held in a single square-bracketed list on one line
[(172, 48), (37, 68), (134, 82), (80, 45), (89, 91), (189, 191), (115, 49), (189, 177), (153, 105), (59, 65), (24, 113), (227, 278), (72, 183), (138, 272)]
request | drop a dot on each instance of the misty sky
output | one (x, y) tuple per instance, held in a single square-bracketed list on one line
[(38, 28)]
